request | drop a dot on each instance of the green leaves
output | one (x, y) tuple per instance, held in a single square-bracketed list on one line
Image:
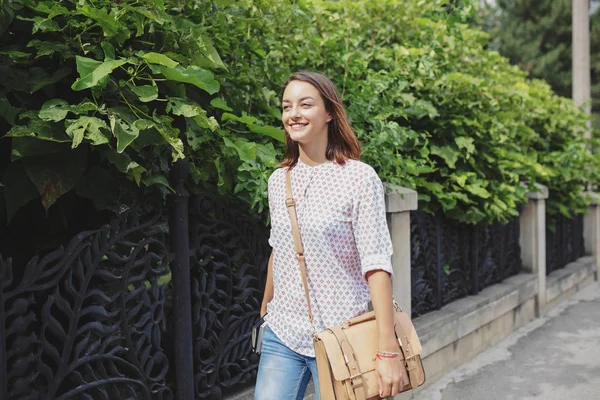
[(93, 73), (449, 155), (220, 104), (160, 59), (244, 148), (275, 133), (38, 129), (125, 165), (54, 110), (253, 126), (478, 191), (145, 93), (108, 22), (123, 131), (90, 128), (433, 109), (193, 75), (182, 107), (208, 55)]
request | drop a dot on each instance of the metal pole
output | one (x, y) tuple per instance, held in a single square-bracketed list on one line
[(180, 270)]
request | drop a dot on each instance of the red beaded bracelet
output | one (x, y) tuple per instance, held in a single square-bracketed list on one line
[(382, 356)]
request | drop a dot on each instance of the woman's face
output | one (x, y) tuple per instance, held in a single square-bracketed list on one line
[(304, 115)]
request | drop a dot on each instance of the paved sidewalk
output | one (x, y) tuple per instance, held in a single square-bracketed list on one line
[(555, 357)]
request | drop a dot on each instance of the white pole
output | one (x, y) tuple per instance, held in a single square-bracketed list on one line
[(581, 57)]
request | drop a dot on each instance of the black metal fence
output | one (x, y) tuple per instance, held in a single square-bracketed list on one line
[(87, 321), (452, 260), (229, 254), (103, 318), (564, 242)]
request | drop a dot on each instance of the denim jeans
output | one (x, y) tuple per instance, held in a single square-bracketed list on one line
[(283, 374)]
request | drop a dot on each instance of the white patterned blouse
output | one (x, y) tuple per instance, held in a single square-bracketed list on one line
[(342, 221)]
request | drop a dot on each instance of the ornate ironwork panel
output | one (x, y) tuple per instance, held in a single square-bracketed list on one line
[(229, 255), (454, 264), (424, 263), (440, 262), (451, 260), (86, 320), (499, 252), (564, 242)]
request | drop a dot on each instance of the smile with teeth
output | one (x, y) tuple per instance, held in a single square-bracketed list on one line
[(297, 126)]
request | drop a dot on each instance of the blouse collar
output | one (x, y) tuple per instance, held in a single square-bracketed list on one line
[(306, 166)]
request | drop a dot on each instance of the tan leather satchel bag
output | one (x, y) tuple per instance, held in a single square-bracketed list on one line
[(346, 354)]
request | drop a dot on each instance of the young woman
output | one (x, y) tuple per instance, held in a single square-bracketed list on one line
[(347, 246)]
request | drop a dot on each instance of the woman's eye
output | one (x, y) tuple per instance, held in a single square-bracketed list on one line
[(306, 105), (286, 108)]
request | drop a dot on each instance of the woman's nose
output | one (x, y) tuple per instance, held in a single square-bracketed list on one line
[(295, 113)]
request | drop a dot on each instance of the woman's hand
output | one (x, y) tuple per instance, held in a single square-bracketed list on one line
[(388, 369), (389, 377)]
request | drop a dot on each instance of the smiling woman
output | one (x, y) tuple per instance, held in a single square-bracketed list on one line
[(345, 244), (304, 114), (313, 115)]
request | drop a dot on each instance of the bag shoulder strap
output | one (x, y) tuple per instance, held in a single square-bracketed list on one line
[(291, 207)]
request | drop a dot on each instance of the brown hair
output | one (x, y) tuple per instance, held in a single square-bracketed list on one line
[(342, 143)]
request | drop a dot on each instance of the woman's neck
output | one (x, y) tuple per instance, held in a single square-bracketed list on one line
[(314, 153)]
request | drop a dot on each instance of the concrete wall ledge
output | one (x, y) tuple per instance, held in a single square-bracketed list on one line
[(569, 278), (399, 199), (456, 320), (594, 197), (539, 194)]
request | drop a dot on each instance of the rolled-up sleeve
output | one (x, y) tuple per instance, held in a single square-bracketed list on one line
[(370, 228)]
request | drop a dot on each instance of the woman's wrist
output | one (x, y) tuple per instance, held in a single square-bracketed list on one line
[(389, 344)]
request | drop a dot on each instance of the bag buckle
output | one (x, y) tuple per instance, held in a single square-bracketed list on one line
[(290, 202), (352, 377), (347, 360)]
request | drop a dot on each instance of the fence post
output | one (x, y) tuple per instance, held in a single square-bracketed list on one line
[(591, 230), (533, 241), (399, 202), (5, 266), (180, 270), (474, 254)]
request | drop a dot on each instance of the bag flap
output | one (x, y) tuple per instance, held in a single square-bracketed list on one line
[(401, 318), (362, 338), (335, 355)]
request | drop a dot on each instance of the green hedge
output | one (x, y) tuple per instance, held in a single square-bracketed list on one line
[(99, 98)]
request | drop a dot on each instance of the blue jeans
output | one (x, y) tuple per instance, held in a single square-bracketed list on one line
[(283, 374)]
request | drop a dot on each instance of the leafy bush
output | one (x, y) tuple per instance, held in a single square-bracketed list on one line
[(434, 110), (132, 80), (98, 99)]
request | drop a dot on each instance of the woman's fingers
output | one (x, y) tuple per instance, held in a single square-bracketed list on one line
[(387, 388), (395, 386)]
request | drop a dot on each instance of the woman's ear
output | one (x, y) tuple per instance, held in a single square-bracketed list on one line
[(329, 117)]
